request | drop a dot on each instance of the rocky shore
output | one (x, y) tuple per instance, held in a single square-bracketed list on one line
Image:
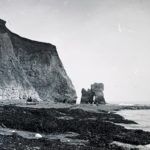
[(69, 128)]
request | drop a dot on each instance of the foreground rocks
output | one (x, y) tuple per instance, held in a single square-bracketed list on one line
[(98, 129), (31, 69)]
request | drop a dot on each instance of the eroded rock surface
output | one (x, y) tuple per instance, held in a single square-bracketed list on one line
[(87, 96), (97, 89), (31, 69), (93, 95)]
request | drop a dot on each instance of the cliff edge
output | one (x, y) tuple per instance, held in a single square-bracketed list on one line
[(31, 69)]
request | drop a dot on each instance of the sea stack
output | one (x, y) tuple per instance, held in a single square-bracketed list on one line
[(94, 94), (31, 69)]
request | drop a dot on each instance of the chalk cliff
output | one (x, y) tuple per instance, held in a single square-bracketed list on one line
[(31, 69)]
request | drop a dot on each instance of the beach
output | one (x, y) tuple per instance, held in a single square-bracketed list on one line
[(71, 127)]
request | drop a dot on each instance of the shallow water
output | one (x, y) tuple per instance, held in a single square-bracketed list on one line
[(142, 117)]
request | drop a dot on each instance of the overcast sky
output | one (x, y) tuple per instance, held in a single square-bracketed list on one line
[(97, 40)]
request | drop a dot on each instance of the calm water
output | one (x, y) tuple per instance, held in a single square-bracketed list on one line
[(142, 117)]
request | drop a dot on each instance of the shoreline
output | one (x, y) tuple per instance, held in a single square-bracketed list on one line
[(88, 127), (105, 107)]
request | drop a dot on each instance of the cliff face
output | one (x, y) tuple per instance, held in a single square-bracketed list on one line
[(31, 69)]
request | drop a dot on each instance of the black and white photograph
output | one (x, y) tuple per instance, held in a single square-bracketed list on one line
[(74, 74)]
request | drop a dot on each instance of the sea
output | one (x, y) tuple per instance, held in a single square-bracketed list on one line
[(142, 117)]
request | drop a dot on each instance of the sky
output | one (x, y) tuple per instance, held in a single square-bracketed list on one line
[(104, 41)]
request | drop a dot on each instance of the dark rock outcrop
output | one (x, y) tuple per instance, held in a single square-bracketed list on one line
[(87, 96), (31, 69), (93, 95), (93, 130), (97, 89)]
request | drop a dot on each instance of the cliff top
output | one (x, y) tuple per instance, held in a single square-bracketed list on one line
[(2, 22), (4, 29)]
